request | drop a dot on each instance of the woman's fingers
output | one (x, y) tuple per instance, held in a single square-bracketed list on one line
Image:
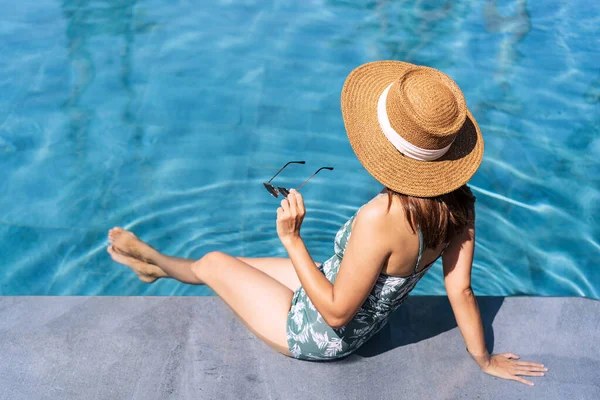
[(528, 372), (293, 203), (529, 364), (299, 201), (285, 205), (530, 368), (519, 379)]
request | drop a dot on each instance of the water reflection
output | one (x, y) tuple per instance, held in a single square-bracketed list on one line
[(513, 28), (517, 26), (83, 71), (424, 22), (86, 20), (89, 23)]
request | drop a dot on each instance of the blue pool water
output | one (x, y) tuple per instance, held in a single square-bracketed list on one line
[(165, 117)]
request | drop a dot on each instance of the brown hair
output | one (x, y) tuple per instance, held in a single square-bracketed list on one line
[(441, 217)]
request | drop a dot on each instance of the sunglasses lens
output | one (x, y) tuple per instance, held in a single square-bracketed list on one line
[(271, 189), (284, 191)]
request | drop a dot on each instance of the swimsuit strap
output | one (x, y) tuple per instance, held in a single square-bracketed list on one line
[(420, 249)]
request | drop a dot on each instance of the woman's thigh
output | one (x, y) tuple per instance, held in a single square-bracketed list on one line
[(261, 302), (280, 268)]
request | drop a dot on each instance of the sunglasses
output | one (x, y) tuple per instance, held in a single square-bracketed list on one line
[(271, 189)]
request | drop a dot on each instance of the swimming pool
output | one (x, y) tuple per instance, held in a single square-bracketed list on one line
[(165, 117)]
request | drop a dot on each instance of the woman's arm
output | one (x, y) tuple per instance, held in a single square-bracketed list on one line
[(363, 259), (457, 261)]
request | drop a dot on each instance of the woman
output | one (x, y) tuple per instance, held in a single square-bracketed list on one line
[(410, 128)]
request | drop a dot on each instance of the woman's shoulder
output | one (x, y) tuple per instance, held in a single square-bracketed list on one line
[(373, 207), (375, 213)]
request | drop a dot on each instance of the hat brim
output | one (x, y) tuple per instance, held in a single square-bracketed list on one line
[(381, 159)]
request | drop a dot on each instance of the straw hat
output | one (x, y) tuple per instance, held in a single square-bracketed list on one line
[(410, 127)]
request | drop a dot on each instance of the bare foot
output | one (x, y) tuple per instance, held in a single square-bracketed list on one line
[(146, 272), (127, 244)]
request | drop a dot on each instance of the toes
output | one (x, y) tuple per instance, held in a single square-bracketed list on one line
[(112, 233), (130, 262), (116, 256), (111, 250)]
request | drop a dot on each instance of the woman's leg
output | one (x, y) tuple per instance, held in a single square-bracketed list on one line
[(156, 264), (260, 301), (279, 268), (126, 243)]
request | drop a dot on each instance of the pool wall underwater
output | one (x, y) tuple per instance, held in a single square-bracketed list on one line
[(166, 117)]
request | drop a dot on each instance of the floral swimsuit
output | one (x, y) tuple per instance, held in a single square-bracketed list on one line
[(311, 338)]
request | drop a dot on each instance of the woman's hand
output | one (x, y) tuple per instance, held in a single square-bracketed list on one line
[(290, 216), (506, 366)]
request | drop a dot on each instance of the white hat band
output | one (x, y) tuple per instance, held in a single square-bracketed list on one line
[(404, 146)]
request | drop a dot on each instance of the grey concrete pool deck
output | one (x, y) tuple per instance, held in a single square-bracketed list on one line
[(102, 347)]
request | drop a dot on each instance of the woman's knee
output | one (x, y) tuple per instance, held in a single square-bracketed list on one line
[(208, 259)]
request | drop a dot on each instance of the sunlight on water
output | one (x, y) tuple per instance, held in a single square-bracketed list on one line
[(166, 117)]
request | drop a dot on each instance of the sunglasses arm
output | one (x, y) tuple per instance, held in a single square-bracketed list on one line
[(291, 162), (329, 168)]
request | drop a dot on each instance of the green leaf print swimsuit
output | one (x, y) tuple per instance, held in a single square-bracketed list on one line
[(311, 338)]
